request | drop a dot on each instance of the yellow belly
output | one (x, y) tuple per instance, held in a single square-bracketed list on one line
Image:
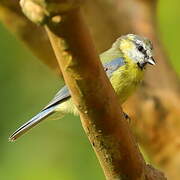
[(125, 80), (67, 107)]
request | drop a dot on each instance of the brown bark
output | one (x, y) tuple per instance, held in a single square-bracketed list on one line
[(155, 108), (102, 119), (29, 33)]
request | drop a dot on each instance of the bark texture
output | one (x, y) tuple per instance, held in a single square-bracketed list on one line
[(155, 109), (101, 118)]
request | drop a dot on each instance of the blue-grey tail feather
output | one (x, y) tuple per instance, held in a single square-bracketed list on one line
[(31, 123)]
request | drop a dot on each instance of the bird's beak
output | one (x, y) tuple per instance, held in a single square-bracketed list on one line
[(151, 61)]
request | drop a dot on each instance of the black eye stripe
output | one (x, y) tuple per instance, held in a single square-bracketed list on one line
[(140, 48)]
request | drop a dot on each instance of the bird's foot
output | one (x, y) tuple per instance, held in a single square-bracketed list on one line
[(127, 117)]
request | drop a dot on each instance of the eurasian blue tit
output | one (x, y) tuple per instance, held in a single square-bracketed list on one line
[(124, 64)]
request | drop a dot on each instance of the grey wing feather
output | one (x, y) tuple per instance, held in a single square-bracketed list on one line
[(31, 123), (111, 66), (64, 93), (59, 97), (47, 111)]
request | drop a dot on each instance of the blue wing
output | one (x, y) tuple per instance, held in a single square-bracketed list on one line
[(61, 95), (64, 93), (31, 123), (113, 65)]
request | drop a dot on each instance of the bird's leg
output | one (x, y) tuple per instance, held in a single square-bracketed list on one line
[(127, 117)]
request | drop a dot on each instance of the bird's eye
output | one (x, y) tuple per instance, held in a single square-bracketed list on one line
[(140, 48)]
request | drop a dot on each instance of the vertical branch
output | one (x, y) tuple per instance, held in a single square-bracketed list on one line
[(101, 121), (101, 118)]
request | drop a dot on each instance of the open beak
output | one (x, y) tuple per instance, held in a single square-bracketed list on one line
[(151, 61)]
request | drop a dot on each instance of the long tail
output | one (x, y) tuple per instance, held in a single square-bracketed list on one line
[(31, 123)]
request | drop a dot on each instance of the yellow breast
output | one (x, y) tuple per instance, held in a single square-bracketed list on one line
[(126, 79)]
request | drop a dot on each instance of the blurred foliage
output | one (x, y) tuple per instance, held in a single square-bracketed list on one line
[(169, 28), (57, 150)]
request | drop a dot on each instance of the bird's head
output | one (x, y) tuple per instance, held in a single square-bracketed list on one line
[(136, 48)]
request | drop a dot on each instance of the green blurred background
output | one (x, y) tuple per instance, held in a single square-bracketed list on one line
[(57, 150)]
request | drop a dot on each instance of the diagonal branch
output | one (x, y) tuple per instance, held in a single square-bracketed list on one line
[(101, 118), (153, 110)]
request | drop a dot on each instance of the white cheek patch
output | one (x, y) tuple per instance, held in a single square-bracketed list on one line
[(135, 55)]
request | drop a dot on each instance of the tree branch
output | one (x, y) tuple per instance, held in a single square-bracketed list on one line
[(30, 34), (155, 109), (101, 118)]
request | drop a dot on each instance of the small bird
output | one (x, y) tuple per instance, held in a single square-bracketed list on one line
[(124, 64)]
